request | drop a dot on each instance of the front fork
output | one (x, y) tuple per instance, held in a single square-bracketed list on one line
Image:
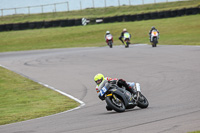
[(116, 99)]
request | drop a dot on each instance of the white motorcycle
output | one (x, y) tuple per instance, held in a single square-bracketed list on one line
[(109, 40), (154, 38)]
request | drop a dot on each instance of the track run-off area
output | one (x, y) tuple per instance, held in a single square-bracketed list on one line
[(169, 78)]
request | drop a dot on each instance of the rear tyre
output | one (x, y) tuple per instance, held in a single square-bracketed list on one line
[(127, 44), (117, 105)]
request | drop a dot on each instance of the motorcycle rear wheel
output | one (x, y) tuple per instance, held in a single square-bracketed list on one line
[(118, 106), (127, 44)]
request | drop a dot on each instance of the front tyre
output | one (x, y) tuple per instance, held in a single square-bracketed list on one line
[(142, 102), (110, 44), (155, 42), (115, 104)]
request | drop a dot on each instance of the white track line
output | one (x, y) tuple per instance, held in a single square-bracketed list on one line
[(52, 88)]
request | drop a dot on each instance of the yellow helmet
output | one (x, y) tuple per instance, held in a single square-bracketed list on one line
[(98, 78)]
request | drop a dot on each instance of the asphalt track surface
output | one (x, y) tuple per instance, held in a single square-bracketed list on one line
[(169, 78)]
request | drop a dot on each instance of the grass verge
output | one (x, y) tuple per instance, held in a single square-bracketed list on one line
[(173, 31), (100, 12), (22, 99)]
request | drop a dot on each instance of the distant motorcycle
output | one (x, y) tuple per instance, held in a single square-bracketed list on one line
[(126, 39), (154, 38), (109, 40), (119, 99)]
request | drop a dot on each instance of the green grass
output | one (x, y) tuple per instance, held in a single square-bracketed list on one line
[(194, 132), (22, 99), (173, 31), (100, 12)]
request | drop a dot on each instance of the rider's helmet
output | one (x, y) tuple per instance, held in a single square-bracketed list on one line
[(124, 30), (153, 28), (107, 32), (99, 78)]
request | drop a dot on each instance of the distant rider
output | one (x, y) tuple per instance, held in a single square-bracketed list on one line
[(108, 34), (100, 80), (122, 35), (152, 28)]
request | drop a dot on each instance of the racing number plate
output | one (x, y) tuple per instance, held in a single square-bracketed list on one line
[(103, 91)]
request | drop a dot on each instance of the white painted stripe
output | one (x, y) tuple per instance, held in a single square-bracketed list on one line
[(63, 93), (52, 88)]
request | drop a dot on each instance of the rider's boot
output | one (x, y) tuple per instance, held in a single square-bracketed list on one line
[(131, 89), (120, 38), (108, 108)]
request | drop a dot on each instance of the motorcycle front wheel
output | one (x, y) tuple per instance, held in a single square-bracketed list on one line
[(154, 42), (110, 44), (116, 104), (142, 101)]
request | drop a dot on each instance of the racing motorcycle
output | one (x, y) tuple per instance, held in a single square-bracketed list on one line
[(119, 99), (154, 38), (109, 40), (127, 38)]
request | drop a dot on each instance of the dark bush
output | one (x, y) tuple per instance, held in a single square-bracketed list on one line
[(161, 14), (120, 18), (194, 10), (127, 18), (71, 22), (32, 25), (140, 16), (133, 17), (154, 15), (56, 23), (147, 16), (63, 23), (48, 24), (39, 24), (167, 14), (106, 20), (24, 26), (189, 11), (113, 19), (174, 13), (181, 12), (78, 22), (9, 27), (2, 27), (16, 26)]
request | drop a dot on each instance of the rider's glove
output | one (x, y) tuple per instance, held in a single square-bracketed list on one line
[(112, 81), (102, 98)]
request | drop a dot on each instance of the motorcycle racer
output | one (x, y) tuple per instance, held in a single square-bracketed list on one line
[(108, 34), (122, 35), (152, 28), (100, 80)]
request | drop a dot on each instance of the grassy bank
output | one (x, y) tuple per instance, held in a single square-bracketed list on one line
[(174, 31), (22, 99), (100, 12)]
